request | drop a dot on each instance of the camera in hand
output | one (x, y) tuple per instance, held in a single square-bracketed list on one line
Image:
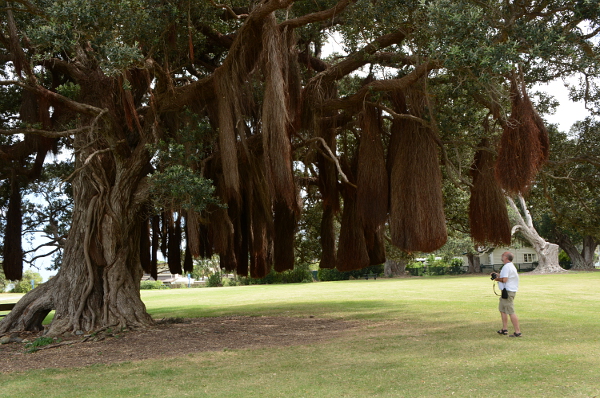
[(494, 275)]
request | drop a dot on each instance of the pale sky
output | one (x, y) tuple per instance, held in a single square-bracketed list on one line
[(568, 112)]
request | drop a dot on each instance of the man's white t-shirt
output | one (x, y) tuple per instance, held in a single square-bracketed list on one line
[(512, 283)]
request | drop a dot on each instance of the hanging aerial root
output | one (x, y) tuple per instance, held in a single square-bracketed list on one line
[(12, 259), (242, 236), (417, 220), (91, 225), (398, 101), (174, 245), (371, 180), (488, 214), (524, 146), (192, 233), (231, 79), (375, 240), (145, 246), (239, 247), (276, 121), (259, 266), (311, 117), (155, 222), (227, 135), (261, 222), (222, 234), (328, 247), (188, 262), (285, 223), (352, 249)]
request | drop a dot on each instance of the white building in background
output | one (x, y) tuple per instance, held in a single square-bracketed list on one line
[(524, 258)]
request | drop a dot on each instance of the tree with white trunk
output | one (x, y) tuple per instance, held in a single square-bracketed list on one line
[(523, 223)]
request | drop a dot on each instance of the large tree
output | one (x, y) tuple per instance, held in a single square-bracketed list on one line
[(241, 90), (568, 189)]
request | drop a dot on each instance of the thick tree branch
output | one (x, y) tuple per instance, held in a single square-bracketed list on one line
[(519, 222), (65, 67), (69, 103), (329, 155), (316, 16), (395, 115), (312, 62), (203, 91), (392, 59), (29, 7), (581, 159), (229, 10), (266, 7), (45, 133), (528, 219), (380, 86), (220, 39), (358, 59)]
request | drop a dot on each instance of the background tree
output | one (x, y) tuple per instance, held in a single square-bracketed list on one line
[(29, 282), (47, 212), (569, 185), (3, 282)]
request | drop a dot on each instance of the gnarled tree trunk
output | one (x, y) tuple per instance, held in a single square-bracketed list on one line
[(589, 248), (395, 267), (584, 260), (98, 283), (474, 263)]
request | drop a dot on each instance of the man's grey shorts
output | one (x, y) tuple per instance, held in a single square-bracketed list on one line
[(508, 305)]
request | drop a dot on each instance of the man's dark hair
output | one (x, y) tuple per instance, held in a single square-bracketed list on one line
[(509, 256)]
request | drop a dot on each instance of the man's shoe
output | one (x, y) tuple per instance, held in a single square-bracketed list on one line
[(515, 334)]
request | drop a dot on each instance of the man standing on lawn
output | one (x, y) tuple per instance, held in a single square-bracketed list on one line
[(509, 279)]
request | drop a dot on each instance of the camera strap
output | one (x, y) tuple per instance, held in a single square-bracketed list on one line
[(494, 287), (503, 290)]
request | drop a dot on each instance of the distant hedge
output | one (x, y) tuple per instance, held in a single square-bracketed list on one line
[(326, 274)]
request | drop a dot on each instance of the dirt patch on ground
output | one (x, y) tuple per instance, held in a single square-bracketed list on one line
[(170, 339)]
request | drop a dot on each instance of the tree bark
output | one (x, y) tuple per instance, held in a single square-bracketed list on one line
[(547, 252), (584, 260), (589, 248), (474, 263), (98, 283), (395, 267)]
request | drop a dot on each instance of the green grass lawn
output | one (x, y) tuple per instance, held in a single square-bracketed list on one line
[(423, 337)]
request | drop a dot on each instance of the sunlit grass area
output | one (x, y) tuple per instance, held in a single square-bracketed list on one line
[(419, 337)]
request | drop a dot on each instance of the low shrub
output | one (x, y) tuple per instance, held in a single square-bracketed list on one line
[(300, 274), (230, 282), (416, 268), (436, 267), (332, 274), (178, 285), (148, 285), (214, 280)]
